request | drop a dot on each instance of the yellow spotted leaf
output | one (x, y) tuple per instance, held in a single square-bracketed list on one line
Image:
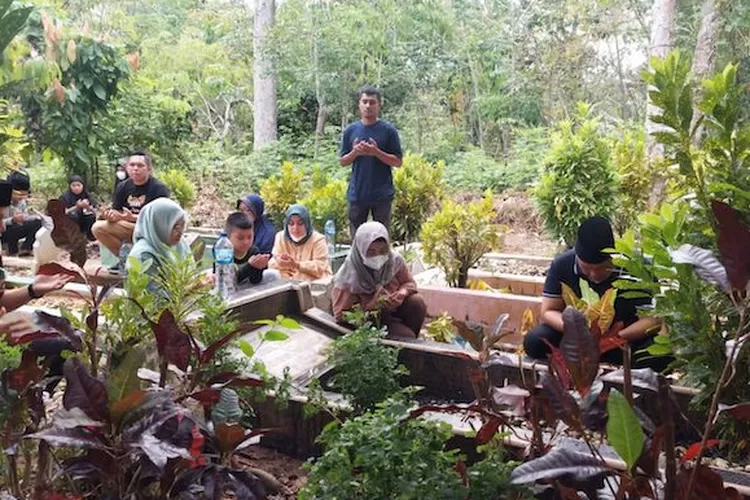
[(571, 299), (606, 309), (527, 322)]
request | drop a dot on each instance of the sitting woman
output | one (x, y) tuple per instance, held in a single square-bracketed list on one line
[(79, 205), (265, 231), (376, 278), (158, 235), (21, 223), (299, 252)]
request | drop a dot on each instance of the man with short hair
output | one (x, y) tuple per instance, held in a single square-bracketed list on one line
[(589, 262), (373, 147), (130, 197)]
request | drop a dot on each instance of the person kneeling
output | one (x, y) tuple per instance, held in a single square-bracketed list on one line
[(248, 259), (376, 278), (589, 263)]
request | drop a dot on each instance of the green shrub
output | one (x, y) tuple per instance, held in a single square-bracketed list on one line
[(48, 177), (367, 371), (385, 454), (456, 237), (578, 180), (634, 175), (490, 478), (328, 201), (180, 187), (10, 355), (282, 190), (419, 189)]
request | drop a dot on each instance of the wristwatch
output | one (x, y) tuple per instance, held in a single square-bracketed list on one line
[(32, 292)]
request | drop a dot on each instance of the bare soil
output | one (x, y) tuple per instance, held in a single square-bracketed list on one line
[(209, 209), (287, 470)]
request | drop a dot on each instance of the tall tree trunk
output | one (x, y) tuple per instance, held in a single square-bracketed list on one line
[(661, 42), (705, 54), (264, 76)]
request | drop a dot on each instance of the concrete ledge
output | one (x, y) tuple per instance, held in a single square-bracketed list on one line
[(480, 307), (517, 284), (529, 259)]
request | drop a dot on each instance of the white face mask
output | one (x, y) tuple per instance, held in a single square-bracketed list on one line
[(121, 175), (376, 262), (296, 239)]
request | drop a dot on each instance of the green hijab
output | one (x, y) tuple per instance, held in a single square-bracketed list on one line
[(155, 223), (303, 214)]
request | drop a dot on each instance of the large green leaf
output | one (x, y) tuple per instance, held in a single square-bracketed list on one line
[(124, 378), (624, 431), (11, 23)]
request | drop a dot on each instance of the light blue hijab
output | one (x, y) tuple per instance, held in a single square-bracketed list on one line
[(152, 229)]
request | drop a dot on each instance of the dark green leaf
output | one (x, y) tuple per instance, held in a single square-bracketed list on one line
[(624, 431)]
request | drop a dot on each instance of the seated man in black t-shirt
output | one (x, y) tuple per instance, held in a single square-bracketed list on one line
[(131, 196), (588, 262)]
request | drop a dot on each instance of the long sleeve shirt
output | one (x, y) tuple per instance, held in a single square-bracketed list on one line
[(312, 257), (343, 299)]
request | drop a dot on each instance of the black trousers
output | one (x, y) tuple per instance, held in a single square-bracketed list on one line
[(15, 232), (535, 347), (84, 221), (358, 213)]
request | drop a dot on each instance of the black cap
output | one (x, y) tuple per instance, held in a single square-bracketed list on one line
[(594, 235)]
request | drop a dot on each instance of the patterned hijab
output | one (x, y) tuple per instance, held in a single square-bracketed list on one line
[(354, 275), (155, 223)]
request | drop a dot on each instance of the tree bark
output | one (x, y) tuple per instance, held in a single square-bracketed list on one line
[(661, 42), (705, 54), (264, 76)]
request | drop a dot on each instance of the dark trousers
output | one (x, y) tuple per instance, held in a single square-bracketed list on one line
[(358, 213), (407, 319), (84, 221), (15, 232), (535, 347)]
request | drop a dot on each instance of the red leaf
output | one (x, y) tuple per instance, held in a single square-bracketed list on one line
[(229, 436), (580, 349), (557, 363), (463, 472), (211, 350), (84, 391), (740, 411), (64, 268), (608, 343), (694, 448), (196, 445), (734, 240), (27, 372), (172, 343), (66, 234), (131, 401), (488, 430), (561, 401)]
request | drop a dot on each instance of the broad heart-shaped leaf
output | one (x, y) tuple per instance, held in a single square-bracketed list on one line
[(571, 299), (561, 461), (77, 437), (64, 268), (84, 391), (580, 349), (229, 436), (734, 241), (227, 410), (173, 344), (124, 378), (705, 264), (66, 234), (624, 431), (275, 336)]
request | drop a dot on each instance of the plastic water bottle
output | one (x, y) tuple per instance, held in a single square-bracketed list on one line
[(224, 270), (123, 257), (330, 232)]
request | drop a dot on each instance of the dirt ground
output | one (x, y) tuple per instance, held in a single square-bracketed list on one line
[(209, 208), (287, 470)]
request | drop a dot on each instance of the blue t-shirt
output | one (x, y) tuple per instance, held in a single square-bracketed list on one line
[(371, 180)]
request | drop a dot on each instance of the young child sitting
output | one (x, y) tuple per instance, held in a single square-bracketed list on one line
[(20, 224), (250, 262)]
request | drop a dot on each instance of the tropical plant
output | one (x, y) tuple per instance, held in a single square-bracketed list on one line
[(441, 329), (634, 178), (181, 188), (419, 189), (12, 21), (578, 180), (455, 238), (282, 190), (327, 200)]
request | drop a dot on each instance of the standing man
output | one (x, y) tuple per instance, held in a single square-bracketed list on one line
[(130, 197), (373, 147)]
